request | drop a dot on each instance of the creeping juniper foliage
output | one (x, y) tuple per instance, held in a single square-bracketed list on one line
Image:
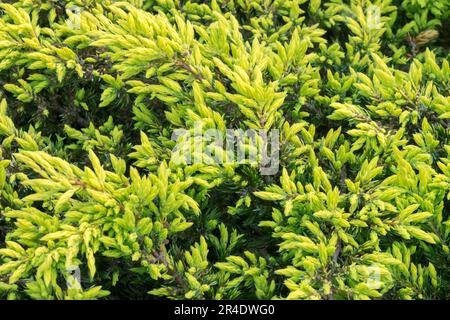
[(94, 205)]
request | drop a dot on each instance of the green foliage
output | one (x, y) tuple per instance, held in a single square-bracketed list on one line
[(92, 92)]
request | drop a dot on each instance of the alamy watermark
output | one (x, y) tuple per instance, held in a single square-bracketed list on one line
[(374, 279), (74, 17), (373, 14), (73, 278), (232, 146)]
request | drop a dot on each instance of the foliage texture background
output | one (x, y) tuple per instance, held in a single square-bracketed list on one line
[(91, 92)]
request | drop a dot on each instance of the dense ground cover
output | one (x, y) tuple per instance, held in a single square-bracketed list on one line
[(94, 205)]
